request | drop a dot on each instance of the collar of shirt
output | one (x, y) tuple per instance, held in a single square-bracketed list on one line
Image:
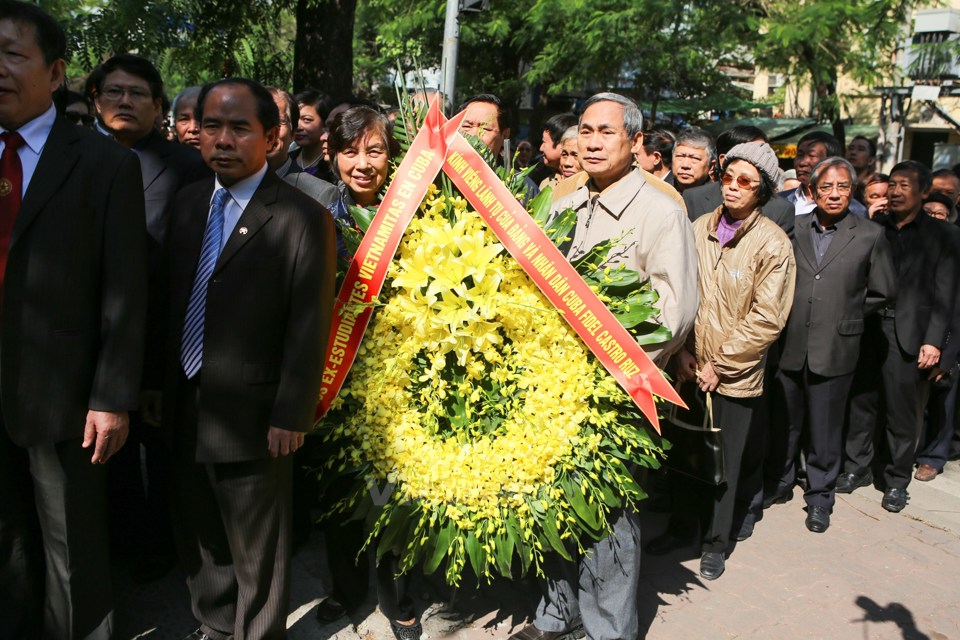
[(34, 134), (241, 192), (803, 206), (820, 228), (617, 197)]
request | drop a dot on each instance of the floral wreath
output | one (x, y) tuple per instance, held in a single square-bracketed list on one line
[(473, 412)]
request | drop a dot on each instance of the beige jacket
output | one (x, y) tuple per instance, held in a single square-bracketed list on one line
[(746, 291), (654, 237)]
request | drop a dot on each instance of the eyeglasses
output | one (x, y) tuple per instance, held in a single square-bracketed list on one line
[(83, 119), (843, 188), (114, 94), (742, 181)]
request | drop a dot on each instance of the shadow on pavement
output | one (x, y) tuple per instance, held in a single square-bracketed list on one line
[(893, 612)]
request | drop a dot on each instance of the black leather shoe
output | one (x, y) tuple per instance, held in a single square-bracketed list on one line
[(746, 530), (780, 497), (198, 635), (850, 482), (894, 500), (818, 518), (330, 610), (666, 543), (711, 565), (530, 632), (406, 631)]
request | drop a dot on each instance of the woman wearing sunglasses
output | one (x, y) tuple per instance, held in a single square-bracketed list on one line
[(746, 283)]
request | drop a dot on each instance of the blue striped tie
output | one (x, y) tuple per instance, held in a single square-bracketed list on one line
[(191, 347)]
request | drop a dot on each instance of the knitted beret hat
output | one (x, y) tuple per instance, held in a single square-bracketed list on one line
[(760, 155)]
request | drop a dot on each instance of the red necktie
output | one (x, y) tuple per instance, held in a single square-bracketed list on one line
[(11, 188)]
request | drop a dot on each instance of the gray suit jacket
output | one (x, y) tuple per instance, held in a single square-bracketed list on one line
[(707, 197), (320, 190), (855, 278)]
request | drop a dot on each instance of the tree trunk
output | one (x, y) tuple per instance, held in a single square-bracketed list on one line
[(323, 53), (654, 101)]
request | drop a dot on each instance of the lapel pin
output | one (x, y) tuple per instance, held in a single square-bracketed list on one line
[(243, 231), (5, 187)]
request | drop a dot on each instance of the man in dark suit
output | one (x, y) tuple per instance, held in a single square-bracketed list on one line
[(128, 91), (72, 244), (908, 340), (707, 197), (128, 94), (248, 277), (812, 149), (844, 273)]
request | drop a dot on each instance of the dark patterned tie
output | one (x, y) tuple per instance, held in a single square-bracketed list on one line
[(11, 189)]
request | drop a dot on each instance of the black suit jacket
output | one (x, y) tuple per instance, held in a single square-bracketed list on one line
[(167, 167), (927, 284), (268, 312), (707, 197), (75, 289), (855, 278)]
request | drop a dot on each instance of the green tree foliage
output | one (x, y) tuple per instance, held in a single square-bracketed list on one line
[(410, 33), (190, 41), (816, 42), (652, 49), (648, 48)]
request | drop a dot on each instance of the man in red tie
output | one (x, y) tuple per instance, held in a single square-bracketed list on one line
[(72, 248)]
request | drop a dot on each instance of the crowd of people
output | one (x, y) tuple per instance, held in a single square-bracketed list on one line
[(167, 293)]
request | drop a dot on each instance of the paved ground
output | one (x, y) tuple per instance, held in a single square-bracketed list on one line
[(872, 575)]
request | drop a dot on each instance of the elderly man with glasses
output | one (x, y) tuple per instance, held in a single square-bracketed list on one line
[(844, 273)]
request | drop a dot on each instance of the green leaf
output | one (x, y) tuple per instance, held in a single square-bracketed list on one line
[(440, 543), (395, 530), (656, 335), (476, 555), (552, 535), (503, 550), (636, 315), (540, 206), (586, 512), (362, 216)]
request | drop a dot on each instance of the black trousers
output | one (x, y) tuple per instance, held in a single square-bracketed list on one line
[(233, 529), (889, 397), (713, 508), (138, 493), (54, 548), (934, 448), (815, 411), (350, 570)]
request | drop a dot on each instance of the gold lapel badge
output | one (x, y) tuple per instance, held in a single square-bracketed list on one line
[(5, 187)]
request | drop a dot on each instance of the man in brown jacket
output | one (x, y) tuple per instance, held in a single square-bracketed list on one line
[(654, 238)]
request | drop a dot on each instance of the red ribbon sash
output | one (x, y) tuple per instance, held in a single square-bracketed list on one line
[(438, 145), (353, 308), (557, 279)]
